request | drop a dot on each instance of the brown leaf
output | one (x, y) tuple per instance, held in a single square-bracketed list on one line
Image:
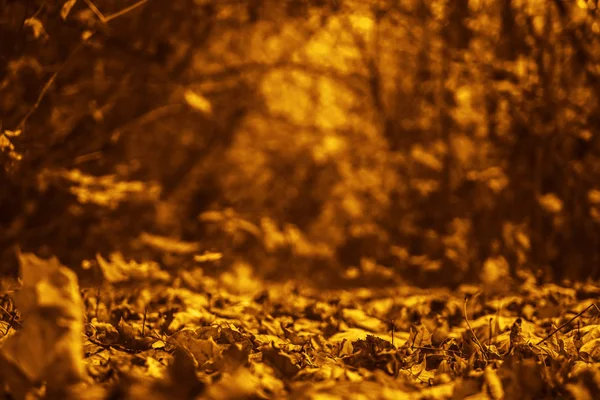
[(50, 345), (285, 363)]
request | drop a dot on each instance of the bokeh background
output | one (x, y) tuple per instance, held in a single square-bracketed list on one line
[(441, 140)]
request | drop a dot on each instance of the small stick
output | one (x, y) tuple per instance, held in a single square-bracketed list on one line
[(39, 99), (5, 311), (95, 10), (97, 301), (125, 10), (491, 333), (12, 317), (472, 331), (436, 349), (567, 323), (47, 87), (144, 321)]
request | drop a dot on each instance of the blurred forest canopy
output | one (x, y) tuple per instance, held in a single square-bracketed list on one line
[(431, 137)]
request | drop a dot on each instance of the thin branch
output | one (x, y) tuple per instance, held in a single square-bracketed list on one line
[(144, 321), (106, 20), (95, 10), (125, 10), (97, 302), (95, 155), (39, 100), (567, 323), (458, 353), (12, 318), (483, 351), (47, 87), (145, 118)]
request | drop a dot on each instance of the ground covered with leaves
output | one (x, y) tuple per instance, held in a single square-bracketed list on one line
[(146, 333)]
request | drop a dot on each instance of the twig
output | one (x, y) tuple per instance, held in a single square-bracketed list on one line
[(567, 323), (95, 10), (35, 14), (46, 88), (144, 320), (125, 10), (436, 349), (12, 318), (97, 301), (88, 157), (483, 351), (39, 99), (147, 117)]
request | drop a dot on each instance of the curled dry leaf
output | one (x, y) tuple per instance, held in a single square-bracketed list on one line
[(118, 270), (49, 347)]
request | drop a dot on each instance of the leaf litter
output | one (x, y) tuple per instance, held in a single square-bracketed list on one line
[(147, 333)]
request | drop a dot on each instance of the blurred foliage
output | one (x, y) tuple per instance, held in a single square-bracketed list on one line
[(430, 137)]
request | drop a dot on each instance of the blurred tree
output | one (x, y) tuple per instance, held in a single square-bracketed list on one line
[(428, 136)]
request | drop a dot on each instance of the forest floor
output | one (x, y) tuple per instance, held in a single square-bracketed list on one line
[(149, 334)]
